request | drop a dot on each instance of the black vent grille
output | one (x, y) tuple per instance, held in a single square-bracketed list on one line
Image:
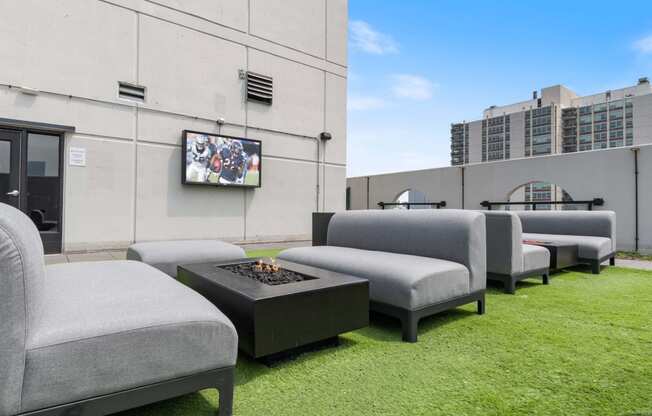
[(131, 92), (259, 88)]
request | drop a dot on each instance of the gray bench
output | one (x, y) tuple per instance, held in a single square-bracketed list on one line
[(101, 337), (508, 259), (594, 232), (167, 255), (418, 263)]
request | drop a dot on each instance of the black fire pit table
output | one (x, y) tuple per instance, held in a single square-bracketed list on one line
[(274, 318)]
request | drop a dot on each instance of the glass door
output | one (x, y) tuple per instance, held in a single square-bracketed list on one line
[(31, 180), (43, 175)]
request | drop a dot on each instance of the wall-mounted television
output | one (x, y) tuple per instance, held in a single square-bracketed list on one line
[(219, 160)]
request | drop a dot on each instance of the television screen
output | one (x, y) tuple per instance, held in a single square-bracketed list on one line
[(215, 159)]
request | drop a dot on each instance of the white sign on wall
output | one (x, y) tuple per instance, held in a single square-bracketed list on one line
[(77, 156)]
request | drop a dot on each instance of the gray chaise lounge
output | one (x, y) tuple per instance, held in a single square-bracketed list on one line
[(418, 263), (508, 259), (594, 232), (98, 338), (167, 255)]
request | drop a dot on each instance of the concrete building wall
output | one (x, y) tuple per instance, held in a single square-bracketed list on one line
[(577, 173), (475, 141), (642, 118), (517, 135), (187, 54)]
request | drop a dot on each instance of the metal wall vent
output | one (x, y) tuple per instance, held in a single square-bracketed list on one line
[(259, 88), (131, 92)]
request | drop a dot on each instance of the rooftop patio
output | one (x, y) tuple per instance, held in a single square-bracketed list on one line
[(576, 344)]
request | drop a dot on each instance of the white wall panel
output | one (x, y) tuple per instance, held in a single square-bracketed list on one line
[(75, 47), (283, 206), (168, 210), (88, 117), (336, 118), (285, 145), (231, 13), (154, 126), (98, 199), (299, 24), (298, 105), (191, 73), (337, 20), (334, 187)]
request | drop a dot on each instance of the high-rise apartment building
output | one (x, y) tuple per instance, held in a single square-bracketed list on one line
[(556, 121)]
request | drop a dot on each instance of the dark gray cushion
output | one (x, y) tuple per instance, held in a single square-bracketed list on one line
[(167, 255), (580, 223), (108, 326), (455, 235), (535, 258), (402, 280), (22, 277), (588, 247)]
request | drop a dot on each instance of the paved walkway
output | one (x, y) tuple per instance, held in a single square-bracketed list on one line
[(122, 254), (634, 264)]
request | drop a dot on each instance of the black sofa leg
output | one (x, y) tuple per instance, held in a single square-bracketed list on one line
[(595, 267), (510, 286), (226, 398), (481, 306), (612, 261), (546, 278), (410, 324)]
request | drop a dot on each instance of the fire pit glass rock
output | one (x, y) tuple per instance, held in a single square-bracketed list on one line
[(268, 273)]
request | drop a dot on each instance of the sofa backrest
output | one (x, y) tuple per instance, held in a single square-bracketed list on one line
[(504, 242), (589, 223), (449, 234), (22, 274)]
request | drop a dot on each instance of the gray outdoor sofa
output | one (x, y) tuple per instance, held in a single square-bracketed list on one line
[(418, 262), (594, 232), (98, 338), (508, 259), (168, 255)]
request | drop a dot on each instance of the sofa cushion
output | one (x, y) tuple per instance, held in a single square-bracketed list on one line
[(449, 234), (581, 223), (167, 255), (535, 257), (108, 326), (406, 281), (22, 276), (588, 247)]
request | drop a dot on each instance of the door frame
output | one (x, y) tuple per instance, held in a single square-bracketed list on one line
[(15, 161), (52, 243)]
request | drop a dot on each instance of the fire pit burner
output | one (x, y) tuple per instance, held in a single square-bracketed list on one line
[(267, 273)]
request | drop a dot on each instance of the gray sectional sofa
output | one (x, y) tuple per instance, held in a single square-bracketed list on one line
[(418, 263), (594, 232), (98, 338), (508, 259)]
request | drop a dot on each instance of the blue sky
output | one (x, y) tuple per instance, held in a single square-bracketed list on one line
[(416, 66)]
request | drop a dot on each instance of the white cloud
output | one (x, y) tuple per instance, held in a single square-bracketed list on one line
[(413, 87), (644, 45), (365, 103), (367, 39)]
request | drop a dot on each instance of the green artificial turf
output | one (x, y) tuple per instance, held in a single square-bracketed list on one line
[(580, 346)]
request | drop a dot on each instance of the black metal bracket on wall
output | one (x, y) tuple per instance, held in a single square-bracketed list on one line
[(595, 202), (437, 205)]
